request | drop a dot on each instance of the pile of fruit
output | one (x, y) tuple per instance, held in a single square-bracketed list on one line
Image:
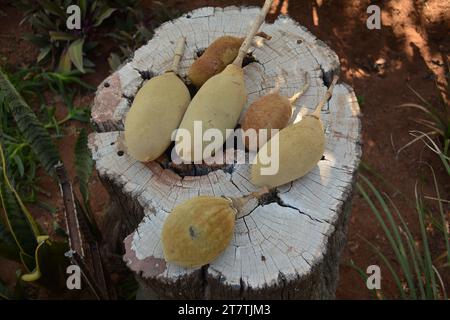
[(200, 229)]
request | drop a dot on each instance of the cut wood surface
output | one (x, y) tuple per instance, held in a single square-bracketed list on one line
[(288, 245)]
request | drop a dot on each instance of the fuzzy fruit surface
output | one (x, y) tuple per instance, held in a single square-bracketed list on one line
[(269, 112), (217, 56), (301, 146), (218, 104), (156, 112), (198, 231)]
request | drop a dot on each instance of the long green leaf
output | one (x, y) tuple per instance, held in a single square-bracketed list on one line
[(21, 225), (430, 280), (382, 256), (29, 125), (106, 13), (413, 250), (443, 215), (61, 36), (17, 224), (64, 64), (76, 54), (83, 7), (83, 164), (393, 236), (52, 7)]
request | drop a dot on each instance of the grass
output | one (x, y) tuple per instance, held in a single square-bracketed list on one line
[(437, 122), (416, 271)]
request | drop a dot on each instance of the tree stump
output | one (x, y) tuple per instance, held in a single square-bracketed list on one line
[(288, 246)]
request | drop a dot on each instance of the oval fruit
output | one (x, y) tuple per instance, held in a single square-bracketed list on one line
[(269, 112), (217, 105), (301, 146), (217, 56), (198, 231), (156, 112), (272, 111)]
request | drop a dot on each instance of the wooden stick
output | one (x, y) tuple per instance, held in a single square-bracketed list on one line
[(255, 27), (179, 51), (70, 210), (327, 96)]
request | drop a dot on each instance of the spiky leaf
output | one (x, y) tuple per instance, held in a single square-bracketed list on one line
[(29, 125), (4, 292), (18, 226), (83, 164)]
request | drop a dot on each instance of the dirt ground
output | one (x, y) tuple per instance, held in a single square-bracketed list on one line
[(412, 48)]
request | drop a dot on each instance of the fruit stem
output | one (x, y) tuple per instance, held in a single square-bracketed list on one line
[(327, 96), (239, 204), (305, 87), (248, 39), (179, 51)]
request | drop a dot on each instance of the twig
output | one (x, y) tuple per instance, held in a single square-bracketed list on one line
[(73, 228), (253, 31), (179, 51), (78, 229)]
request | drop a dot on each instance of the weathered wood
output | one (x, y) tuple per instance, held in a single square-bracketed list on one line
[(288, 246)]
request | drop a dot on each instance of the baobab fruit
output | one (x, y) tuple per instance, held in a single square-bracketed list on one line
[(197, 231), (219, 102), (217, 56), (156, 112), (272, 111), (220, 53), (301, 146)]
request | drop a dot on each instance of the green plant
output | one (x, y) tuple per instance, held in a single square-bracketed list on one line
[(437, 138), (419, 276), (62, 47), (134, 29), (33, 84), (129, 34), (22, 239)]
